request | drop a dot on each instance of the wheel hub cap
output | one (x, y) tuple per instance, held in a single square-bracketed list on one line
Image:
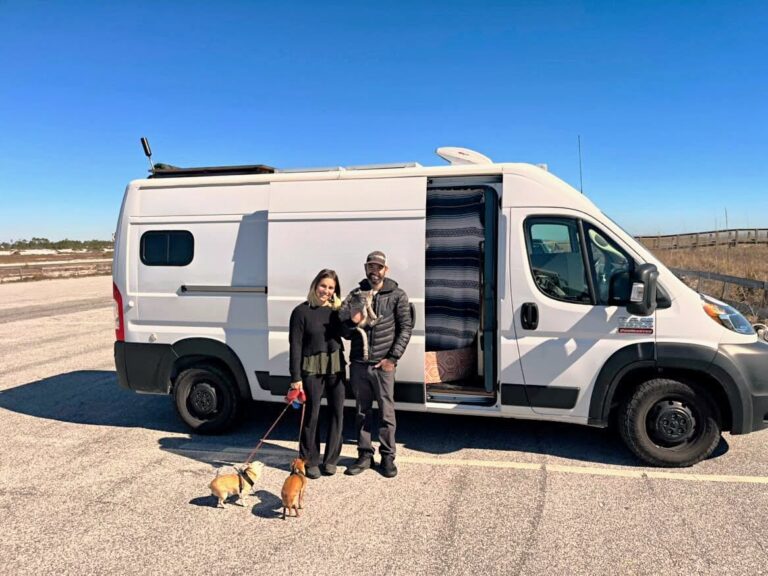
[(203, 399), (672, 422)]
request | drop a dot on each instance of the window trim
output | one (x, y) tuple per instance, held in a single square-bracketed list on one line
[(593, 272), (587, 258), (142, 246)]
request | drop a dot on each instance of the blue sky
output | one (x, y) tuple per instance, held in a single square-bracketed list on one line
[(670, 98)]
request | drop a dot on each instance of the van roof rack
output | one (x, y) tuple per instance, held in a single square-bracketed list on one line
[(168, 171)]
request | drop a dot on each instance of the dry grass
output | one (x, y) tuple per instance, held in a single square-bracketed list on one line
[(25, 259), (24, 268), (743, 261)]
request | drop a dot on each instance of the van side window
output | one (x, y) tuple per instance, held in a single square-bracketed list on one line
[(611, 268), (167, 248), (557, 262)]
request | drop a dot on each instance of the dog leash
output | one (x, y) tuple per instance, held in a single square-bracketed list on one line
[(266, 435), (301, 426)]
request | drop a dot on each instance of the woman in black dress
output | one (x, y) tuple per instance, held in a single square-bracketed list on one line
[(317, 366)]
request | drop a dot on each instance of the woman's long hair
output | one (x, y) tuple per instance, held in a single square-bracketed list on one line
[(335, 301)]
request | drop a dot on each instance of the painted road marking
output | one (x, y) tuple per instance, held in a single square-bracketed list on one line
[(351, 451)]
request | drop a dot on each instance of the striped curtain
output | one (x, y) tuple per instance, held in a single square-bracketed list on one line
[(453, 264)]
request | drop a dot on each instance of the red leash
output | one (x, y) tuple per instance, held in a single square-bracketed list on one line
[(293, 395)]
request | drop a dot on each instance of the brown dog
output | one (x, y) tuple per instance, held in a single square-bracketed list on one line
[(293, 488), (233, 484)]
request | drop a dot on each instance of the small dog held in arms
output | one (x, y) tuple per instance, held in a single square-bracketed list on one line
[(360, 301), (228, 485), (293, 488)]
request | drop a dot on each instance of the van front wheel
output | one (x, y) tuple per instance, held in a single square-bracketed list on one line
[(669, 423), (206, 399)]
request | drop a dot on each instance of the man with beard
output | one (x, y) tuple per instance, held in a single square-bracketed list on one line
[(374, 378)]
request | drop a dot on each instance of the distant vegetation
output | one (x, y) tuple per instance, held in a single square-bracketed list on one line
[(66, 244)]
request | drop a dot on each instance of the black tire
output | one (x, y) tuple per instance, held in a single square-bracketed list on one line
[(670, 423), (206, 399)]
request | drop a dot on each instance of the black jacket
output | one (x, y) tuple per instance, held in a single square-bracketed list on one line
[(312, 330), (392, 332)]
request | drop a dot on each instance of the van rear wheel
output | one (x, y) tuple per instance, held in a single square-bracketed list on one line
[(206, 399), (669, 423)]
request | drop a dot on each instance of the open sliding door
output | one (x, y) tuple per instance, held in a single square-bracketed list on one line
[(335, 224)]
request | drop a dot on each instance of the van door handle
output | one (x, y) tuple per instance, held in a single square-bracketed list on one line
[(529, 316)]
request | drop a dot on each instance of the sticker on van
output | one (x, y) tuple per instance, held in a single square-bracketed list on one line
[(635, 325)]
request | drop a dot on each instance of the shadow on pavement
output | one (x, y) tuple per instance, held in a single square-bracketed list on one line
[(438, 434), (267, 504), (91, 397)]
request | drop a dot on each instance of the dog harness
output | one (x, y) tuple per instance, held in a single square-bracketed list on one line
[(242, 475)]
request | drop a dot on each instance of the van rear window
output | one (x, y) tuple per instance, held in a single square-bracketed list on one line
[(167, 248)]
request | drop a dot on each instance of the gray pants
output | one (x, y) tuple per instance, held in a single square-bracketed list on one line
[(371, 384)]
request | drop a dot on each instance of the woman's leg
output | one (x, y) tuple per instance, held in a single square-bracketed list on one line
[(334, 392), (309, 446)]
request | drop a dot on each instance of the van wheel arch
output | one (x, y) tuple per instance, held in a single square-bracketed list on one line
[(632, 365), (192, 352), (701, 381)]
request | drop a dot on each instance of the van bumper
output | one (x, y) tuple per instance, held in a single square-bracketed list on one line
[(144, 367), (747, 366), (151, 368)]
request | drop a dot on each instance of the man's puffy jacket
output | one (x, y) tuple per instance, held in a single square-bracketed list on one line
[(389, 337)]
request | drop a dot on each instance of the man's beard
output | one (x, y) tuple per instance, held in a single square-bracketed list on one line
[(374, 279)]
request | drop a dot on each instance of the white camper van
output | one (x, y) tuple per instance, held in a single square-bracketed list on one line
[(554, 311)]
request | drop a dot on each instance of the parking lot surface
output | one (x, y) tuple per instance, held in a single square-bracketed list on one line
[(95, 479)]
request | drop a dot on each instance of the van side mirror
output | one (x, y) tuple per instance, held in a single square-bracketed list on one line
[(642, 298)]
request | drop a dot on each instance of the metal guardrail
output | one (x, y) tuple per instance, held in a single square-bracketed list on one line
[(758, 309), (730, 237), (745, 282)]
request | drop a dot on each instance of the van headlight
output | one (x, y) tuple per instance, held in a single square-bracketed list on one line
[(726, 315)]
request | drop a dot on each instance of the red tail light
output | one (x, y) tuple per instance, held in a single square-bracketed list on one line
[(118, 304)]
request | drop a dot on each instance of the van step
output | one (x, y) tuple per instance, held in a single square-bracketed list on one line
[(460, 393), (461, 398), (457, 389)]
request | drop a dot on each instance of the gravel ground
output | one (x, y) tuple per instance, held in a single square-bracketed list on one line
[(97, 480)]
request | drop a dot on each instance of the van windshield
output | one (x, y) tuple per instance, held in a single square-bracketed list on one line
[(638, 245)]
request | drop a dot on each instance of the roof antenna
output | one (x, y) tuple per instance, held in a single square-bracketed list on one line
[(148, 153), (581, 180)]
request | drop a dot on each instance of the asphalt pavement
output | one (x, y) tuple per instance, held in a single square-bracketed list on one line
[(95, 479)]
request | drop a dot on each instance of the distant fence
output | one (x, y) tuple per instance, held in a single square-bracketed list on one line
[(730, 237), (753, 296), (32, 271)]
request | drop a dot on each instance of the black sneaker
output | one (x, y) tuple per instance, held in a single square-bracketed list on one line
[(387, 467), (313, 472), (328, 469), (363, 462)]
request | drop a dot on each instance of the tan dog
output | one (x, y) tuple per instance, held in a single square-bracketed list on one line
[(233, 484), (293, 488)]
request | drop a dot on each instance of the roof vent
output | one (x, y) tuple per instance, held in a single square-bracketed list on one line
[(456, 155)]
